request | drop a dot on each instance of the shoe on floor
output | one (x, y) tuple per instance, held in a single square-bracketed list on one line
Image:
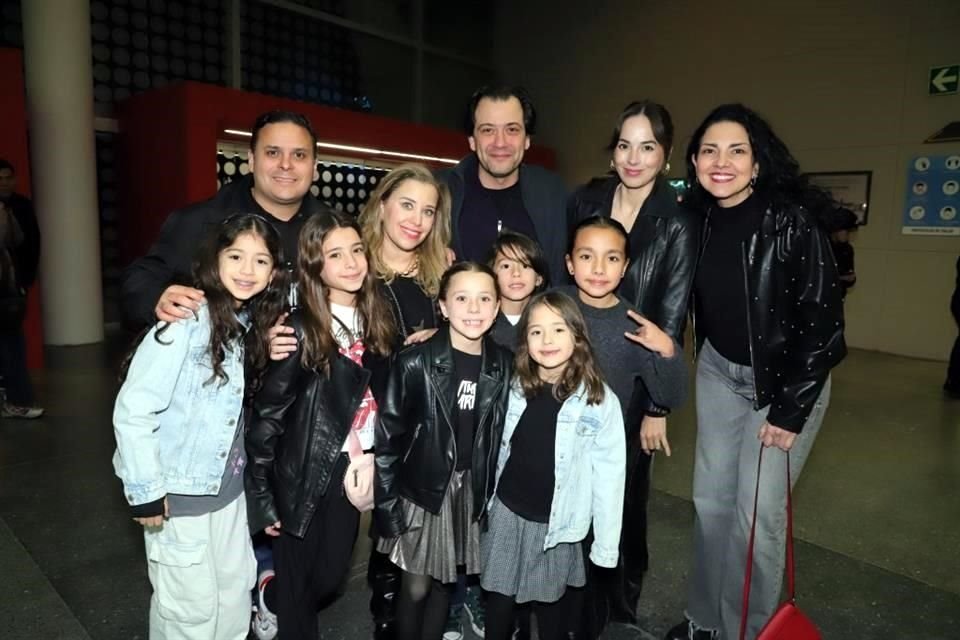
[(264, 624), (15, 411), (687, 630), (473, 603), (454, 628)]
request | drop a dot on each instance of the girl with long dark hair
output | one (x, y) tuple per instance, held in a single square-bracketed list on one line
[(317, 410), (178, 422)]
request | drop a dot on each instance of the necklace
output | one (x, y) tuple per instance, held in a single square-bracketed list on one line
[(412, 268)]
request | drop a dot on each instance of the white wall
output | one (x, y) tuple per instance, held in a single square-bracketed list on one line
[(843, 83)]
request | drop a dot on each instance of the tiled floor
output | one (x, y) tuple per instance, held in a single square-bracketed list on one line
[(877, 514)]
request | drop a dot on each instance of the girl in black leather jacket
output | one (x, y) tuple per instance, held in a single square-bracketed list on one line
[(663, 242), (437, 443), (315, 409), (769, 322)]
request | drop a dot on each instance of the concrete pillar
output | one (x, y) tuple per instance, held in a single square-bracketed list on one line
[(59, 81)]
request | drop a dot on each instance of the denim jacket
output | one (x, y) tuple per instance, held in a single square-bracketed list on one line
[(589, 471), (173, 428)]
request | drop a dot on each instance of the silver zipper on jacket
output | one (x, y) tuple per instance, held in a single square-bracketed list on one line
[(748, 261)]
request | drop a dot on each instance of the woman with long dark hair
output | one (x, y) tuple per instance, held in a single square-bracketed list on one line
[(769, 326), (663, 240)]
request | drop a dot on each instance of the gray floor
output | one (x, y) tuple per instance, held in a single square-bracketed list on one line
[(878, 515)]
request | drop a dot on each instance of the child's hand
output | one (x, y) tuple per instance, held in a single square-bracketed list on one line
[(282, 342), (653, 435), (419, 336), (273, 530), (650, 336), (155, 521)]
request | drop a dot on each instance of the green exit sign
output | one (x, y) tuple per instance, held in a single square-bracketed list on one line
[(944, 80)]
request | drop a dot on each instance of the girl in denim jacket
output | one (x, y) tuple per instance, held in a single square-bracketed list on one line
[(560, 470), (179, 430)]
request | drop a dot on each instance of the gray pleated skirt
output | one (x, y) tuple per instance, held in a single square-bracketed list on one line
[(513, 562), (435, 545)]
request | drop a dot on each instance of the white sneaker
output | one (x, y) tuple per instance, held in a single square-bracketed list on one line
[(264, 624)]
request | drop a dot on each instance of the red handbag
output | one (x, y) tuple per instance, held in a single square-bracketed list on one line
[(787, 622)]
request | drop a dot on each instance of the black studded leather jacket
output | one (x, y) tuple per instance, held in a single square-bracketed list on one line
[(794, 311)]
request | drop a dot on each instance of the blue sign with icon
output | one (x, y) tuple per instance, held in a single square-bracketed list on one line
[(932, 203)]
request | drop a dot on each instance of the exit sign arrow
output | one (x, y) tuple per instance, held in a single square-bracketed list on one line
[(944, 80)]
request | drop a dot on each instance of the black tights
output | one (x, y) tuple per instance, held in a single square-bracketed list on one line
[(422, 608), (552, 617)]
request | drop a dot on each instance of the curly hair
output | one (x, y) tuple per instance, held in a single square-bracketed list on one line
[(375, 316), (432, 251), (225, 328), (582, 366), (778, 179)]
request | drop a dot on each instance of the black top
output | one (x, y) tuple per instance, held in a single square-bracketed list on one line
[(504, 333), (526, 484), (487, 212), (843, 254), (719, 286), (466, 369), (413, 309)]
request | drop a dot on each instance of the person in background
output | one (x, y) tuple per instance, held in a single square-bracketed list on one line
[(493, 191), (842, 222), (769, 322), (952, 386), (20, 235)]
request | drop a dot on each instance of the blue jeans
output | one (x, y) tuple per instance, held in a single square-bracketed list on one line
[(13, 368), (724, 480)]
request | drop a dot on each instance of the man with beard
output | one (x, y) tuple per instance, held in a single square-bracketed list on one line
[(492, 190)]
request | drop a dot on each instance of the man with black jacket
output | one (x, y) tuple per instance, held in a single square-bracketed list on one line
[(21, 238), (282, 160), (492, 190)]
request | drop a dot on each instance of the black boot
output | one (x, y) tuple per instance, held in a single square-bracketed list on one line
[(384, 579)]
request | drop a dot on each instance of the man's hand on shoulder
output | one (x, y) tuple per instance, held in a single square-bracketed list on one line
[(178, 302)]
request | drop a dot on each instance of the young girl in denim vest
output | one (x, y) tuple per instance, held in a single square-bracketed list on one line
[(179, 430), (316, 411), (560, 470)]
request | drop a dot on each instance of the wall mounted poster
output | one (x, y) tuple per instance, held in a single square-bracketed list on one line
[(933, 196), (850, 189)]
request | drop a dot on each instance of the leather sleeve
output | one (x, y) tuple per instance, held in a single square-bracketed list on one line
[(168, 259), (390, 446), (679, 267), (817, 344), (270, 406)]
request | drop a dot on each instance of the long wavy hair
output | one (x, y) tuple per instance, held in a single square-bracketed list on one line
[(779, 180), (375, 316), (432, 252), (262, 309), (582, 366)]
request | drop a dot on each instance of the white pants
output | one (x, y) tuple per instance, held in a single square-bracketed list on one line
[(202, 569)]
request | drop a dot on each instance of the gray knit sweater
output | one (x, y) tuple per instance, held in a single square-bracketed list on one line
[(623, 362)]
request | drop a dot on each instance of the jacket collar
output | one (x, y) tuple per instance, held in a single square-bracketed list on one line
[(661, 203), (441, 354)]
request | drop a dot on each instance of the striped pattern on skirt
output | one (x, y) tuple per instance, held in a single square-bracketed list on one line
[(513, 562), (435, 545)]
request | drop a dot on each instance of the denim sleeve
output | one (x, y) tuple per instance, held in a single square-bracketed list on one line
[(146, 393), (608, 460)]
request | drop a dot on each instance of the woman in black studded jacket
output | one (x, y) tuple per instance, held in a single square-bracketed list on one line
[(768, 319), (663, 255)]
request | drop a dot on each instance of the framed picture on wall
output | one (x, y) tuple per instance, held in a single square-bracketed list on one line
[(849, 188)]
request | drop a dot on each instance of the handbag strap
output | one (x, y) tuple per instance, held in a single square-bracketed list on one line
[(753, 530)]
